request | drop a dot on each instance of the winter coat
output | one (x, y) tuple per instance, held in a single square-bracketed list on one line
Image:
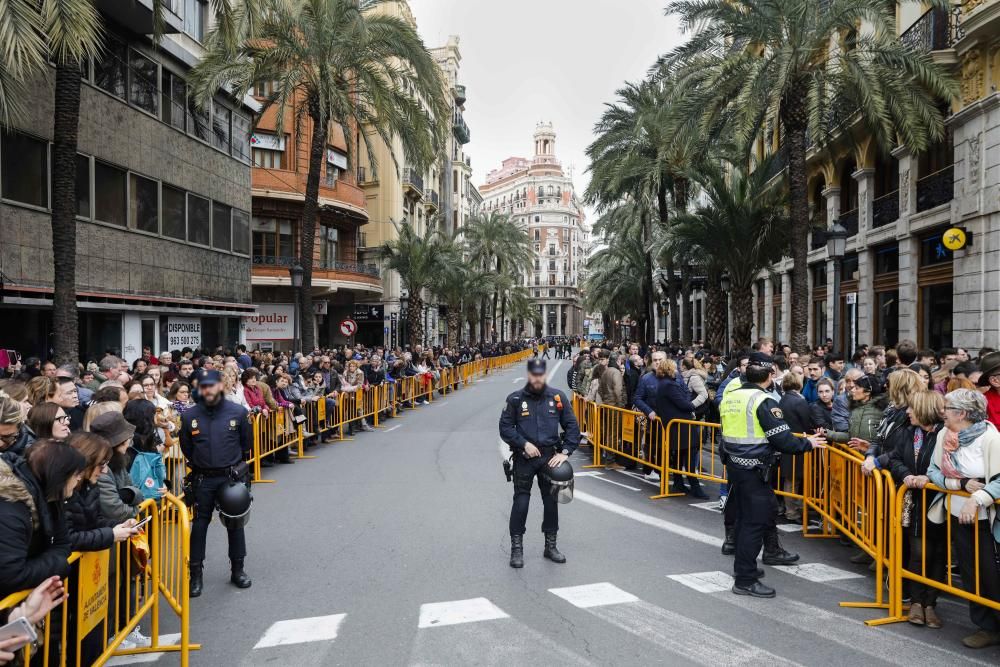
[(796, 412), (695, 379), (822, 416), (670, 399), (611, 387), (631, 379), (862, 423), (886, 439), (902, 463), (87, 527), (120, 498), (33, 541)]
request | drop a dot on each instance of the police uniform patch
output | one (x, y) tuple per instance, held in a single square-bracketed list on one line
[(777, 413), (524, 405), (232, 424), (194, 424)]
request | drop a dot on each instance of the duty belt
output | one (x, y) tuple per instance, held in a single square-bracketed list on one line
[(745, 463)]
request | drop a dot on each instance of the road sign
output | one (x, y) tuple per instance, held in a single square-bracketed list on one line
[(348, 327), (851, 298)]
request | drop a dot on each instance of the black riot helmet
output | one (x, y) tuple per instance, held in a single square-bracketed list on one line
[(561, 481), (234, 501)]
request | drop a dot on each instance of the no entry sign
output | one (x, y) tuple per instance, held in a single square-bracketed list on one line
[(348, 327)]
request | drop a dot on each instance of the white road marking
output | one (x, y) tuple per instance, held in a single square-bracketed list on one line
[(881, 644), (392, 428), (790, 527), (624, 486), (144, 658), (593, 595), (653, 521), (438, 614), (705, 582), (301, 631), (587, 473), (670, 632), (711, 506), (640, 477), (818, 572), (516, 380), (548, 378)]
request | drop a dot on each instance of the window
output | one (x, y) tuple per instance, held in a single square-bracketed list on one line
[(143, 77), (537, 235), (263, 238), (263, 89), (144, 204), (25, 169), (332, 173), (552, 279), (552, 265), (241, 232), (82, 186), (173, 213), (195, 14), (198, 214), (241, 137), (537, 265), (222, 117), (268, 159), (887, 261), (174, 99), (198, 120), (328, 247), (222, 226), (538, 218), (552, 292), (110, 69), (110, 196)]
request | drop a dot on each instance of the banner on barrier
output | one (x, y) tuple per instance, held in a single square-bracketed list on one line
[(321, 410), (628, 429), (93, 599)]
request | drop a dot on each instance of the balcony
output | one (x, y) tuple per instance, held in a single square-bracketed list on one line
[(348, 267), (778, 162), (885, 209), (849, 221), (931, 32), (431, 200), (460, 128), (459, 94), (413, 181), (138, 15), (936, 189)]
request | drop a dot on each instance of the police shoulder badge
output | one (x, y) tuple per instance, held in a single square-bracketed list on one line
[(194, 424), (778, 414), (232, 424)]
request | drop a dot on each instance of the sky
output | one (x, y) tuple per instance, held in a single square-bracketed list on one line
[(556, 60)]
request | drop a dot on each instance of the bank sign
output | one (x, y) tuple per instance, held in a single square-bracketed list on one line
[(272, 321)]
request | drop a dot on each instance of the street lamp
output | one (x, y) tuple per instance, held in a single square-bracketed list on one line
[(295, 274), (836, 247)]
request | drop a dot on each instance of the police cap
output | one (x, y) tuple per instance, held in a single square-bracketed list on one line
[(760, 359), (209, 377), (536, 366)]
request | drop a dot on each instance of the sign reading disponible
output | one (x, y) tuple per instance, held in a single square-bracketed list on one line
[(93, 600), (183, 332), (272, 321)]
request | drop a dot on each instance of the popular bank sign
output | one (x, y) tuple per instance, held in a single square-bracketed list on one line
[(272, 321)]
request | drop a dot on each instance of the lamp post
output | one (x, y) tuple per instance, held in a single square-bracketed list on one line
[(295, 274), (726, 284), (836, 247)]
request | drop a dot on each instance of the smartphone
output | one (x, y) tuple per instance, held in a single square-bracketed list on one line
[(19, 627), (143, 522)]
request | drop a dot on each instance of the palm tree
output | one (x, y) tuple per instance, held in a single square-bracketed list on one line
[(333, 64), (753, 61), (736, 210), (418, 259), (615, 283), (500, 245)]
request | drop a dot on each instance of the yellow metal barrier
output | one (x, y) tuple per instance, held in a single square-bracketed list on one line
[(273, 432), (109, 593), (624, 433)]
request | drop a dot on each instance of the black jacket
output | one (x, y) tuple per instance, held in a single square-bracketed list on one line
[(217, 436), (631, 380), (902, 463), (33, 541), (536, 418), (822, 416), (88, 529), (796, 412)]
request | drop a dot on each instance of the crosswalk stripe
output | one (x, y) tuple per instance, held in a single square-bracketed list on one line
[(669, 631), (818, 572), (848, 632), (705, 582), (144, 658), (711, 506), (438, 614), (301, 631)]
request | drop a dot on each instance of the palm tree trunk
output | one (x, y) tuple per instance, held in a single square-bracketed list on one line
[(661, 206), (307, 225), (503, 318), (65, 127), (793, 115), (414, 318), (482, 320), (715, 315), (687, 314), (742, 316), (454, 321)]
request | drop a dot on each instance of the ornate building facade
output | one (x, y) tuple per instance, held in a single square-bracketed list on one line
[(539, 195)]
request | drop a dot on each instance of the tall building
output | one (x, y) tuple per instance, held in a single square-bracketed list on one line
[(163, 198), (439, 195), (539, 195), (899, 277)]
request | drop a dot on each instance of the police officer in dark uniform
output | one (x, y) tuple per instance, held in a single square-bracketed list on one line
[(216, 438), (753, 429), (530, 425)]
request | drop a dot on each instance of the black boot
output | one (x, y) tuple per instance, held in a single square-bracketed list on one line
[(239, 578), (517, 551), (729, 543), (774, 553), (195, 584), (551, 552)]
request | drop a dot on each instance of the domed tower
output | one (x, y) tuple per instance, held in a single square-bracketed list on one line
[(545, 141)]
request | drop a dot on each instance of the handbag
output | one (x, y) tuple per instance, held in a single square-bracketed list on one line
[(138, 549)]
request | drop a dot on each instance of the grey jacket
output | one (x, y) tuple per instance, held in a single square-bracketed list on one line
[(113, 507)]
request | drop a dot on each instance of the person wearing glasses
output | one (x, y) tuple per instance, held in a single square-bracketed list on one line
[(48, 420), (11, 420)]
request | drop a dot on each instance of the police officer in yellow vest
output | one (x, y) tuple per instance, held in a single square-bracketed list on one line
[(752, 431)]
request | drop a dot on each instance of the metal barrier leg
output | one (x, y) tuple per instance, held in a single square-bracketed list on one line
[(302, 443)]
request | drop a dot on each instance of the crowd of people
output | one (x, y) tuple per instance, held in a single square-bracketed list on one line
[(82, 446), (926, 417)]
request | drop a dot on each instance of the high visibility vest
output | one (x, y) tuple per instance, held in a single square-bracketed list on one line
[(738, 413)]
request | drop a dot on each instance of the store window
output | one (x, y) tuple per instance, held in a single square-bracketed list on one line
[(110, 194), (25, 169), (144, 204)]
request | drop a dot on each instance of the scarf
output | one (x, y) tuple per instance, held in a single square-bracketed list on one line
[(955, 441)]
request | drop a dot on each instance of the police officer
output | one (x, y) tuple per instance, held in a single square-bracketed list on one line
[(530, 425), (752, 429), (216, 439)]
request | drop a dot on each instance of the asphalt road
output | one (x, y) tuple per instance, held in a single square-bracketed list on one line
[(392, 548)]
